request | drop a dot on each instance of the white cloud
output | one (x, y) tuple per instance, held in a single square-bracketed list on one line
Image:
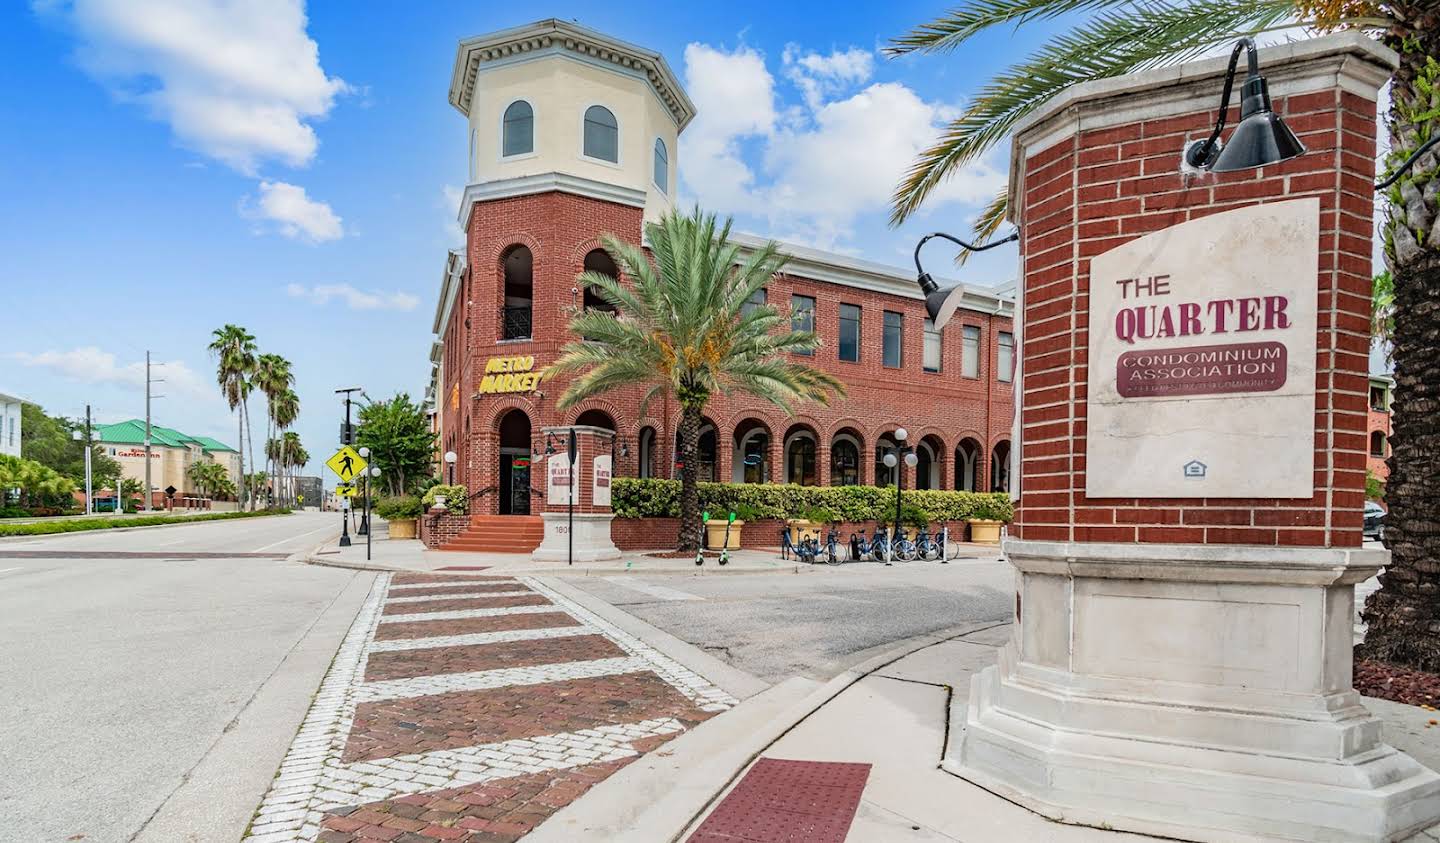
[(297, 215), (89, 364), (735, 97), (238, 81), (813, 169), (355, 299)]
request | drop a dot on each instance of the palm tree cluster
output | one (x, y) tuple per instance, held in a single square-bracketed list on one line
[(210, 478), (36, 484), (1115, 37), (242, 369), (681, 328), (286, 456)]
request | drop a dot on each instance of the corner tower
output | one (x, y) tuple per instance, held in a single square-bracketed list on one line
[(554, 103)]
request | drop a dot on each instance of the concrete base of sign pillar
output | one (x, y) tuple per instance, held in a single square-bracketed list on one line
[(592, 538), (1201, 692)]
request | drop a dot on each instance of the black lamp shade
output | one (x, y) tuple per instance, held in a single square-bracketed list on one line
[(941, 304), (1261, 138)]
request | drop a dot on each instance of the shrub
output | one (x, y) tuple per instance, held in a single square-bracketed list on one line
[(399, 507), (82, 524), (658, 498), (457, 501), (820, 515)]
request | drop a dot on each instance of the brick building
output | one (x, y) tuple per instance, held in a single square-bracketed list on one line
[(573, 135), (1382, 392)]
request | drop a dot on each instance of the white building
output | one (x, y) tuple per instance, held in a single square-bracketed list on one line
[(10, 424)]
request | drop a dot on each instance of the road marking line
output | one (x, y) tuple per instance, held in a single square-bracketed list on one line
[(292, 538), (659, 592), (507, 635), (460, 614), (7, 570), (505, 677)]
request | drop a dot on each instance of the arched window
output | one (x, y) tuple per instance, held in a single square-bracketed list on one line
[(800, 460), (647, 452), (602, 134), (662, 166), (598, 260), (844, 462), (519, 294), (1377, 443), (518, 130), (1000, 468)]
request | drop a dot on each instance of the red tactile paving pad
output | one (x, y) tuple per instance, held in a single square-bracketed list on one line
[(813, 801)]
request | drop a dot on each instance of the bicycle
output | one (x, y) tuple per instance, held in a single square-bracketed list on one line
[(906, 550), (927, 548)]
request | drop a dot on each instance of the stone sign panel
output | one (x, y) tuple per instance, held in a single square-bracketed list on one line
[(600, 484), (558, 480), (1202, 358)]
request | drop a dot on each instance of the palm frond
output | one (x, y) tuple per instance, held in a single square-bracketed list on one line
[(958, 25), (989, 221), (1113, 43)]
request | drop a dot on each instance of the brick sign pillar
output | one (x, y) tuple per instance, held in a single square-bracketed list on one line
[(1191, 457), (594, 471)]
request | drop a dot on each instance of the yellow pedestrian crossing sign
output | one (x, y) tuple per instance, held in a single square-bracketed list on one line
[(347, 463), (345, 490)]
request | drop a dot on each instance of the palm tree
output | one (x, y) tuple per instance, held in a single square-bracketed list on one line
[(234, 349), (285, 409), (272, 377), (1121, 36), (684, 330)]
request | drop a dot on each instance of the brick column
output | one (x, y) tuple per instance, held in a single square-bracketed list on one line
[(591, 519), (1185, 590)]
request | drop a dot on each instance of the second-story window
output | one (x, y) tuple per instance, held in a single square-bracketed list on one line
[(517, 132), (894, 342), (802, 316), (931, 356), (602, 134), (662, 166), (970, 352), (519, 294), (757, 299), (1005, 359), (850, 332), (598, 260)]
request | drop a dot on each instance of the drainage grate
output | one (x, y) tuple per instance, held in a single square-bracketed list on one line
[(814, 801)]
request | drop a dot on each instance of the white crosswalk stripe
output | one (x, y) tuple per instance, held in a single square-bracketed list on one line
[(459, 595), (482, 680)]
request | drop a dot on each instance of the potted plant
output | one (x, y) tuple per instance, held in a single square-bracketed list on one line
[(812, 522), (985, 522), (401, 512), (715, 528), (449, 498)]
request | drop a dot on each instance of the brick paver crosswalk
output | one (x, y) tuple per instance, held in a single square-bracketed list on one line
[(470, 708)]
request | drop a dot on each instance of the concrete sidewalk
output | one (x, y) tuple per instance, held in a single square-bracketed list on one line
[(410, 555), (898, 713)]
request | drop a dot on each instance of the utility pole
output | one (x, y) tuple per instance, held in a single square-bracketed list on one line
[(89, 478), (147, 431)]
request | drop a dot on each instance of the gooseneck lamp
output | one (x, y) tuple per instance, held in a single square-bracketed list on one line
[(1260, 138), (940, 304)]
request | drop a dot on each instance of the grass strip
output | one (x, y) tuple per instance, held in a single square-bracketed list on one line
[(81, 525)]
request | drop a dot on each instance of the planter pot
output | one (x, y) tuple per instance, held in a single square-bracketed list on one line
[(984, 531), (801, 528), (715, 534), (402, 528), (440, 501)]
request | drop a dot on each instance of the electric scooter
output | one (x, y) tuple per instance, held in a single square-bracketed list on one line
[(725, 545), (700, 552)]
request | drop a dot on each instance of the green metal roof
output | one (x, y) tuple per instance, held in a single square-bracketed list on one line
[(132, 432)]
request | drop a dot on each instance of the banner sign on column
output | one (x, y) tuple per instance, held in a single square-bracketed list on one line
[(559, 484), (600, 486)]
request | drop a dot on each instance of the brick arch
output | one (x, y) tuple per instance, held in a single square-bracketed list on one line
[(852, 423), (808, 421), (738, 416), (505, 244), (505, 405), (600, 404), (936, 432)]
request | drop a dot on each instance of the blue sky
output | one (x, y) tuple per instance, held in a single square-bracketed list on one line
[(167, 166)]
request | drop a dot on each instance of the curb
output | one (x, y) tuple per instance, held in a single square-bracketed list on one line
[(179, 522), (313, 557), (697, 777)]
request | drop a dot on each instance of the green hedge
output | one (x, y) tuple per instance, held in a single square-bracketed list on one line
[(653, 498), (83, 524)]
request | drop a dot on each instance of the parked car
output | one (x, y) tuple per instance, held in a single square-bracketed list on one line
[(1374, 521)]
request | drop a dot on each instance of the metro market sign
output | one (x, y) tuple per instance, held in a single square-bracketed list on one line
[(509, 374)]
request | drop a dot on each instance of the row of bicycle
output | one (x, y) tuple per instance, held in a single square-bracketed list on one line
[(879, 547)]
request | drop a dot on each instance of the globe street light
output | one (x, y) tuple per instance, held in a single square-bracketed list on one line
[(372, 471), (450, 458)]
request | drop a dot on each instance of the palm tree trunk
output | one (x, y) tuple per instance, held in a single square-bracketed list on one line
[(1404, 615), (250, 443), (240, 487), (691, 529)]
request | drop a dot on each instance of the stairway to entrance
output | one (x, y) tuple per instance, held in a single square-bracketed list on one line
[(499, 534)]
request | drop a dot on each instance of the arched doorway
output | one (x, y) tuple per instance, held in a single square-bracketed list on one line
[(927, 469), (646, 456), (845, 451), (596, 418), (750, 462), (1000, 467), (514, 486), (884, 474), (705, 471), (800, 449), (967, 465)]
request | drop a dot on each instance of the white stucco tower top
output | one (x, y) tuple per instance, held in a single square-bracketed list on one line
[(557, 104)]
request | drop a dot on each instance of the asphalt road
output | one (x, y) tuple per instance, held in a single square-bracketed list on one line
[(158, 690), (814, 624)]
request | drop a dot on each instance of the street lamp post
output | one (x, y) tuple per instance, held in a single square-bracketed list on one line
[(347, 433), (372, 471), (365, 515), (892, 460), (450, 458)]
